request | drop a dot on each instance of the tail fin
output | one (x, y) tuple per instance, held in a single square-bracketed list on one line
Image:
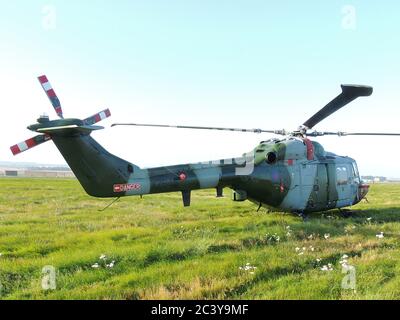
[(96, 169)]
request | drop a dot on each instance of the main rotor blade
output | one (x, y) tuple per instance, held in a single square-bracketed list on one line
[(341, 134), (371, 134), (51, 95), (349, 93), (281, 132), (30, 143)]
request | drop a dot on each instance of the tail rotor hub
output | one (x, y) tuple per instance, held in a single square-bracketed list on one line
[(61, 126)]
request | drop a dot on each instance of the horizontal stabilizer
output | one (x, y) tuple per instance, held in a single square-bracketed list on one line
[(73, 128)]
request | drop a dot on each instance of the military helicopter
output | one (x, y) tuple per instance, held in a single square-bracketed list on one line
[(291, 173)]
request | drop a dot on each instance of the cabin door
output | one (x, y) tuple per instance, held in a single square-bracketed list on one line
[(319, 194), (344, 185)]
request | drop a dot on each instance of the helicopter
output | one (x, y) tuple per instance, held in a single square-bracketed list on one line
[(291, 174)]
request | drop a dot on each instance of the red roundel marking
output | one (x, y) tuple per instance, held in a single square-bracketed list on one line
[(182, 176)]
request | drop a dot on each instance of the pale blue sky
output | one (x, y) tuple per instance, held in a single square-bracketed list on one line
[(265, 64)]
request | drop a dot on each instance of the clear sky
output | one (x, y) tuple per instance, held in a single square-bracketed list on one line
[(251, 64)]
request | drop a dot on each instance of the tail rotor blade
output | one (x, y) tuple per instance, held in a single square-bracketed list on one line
[(30, 143), (97, 117), (44, 82)]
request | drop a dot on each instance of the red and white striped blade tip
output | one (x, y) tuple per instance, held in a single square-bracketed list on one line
[(48, 89), (28, 144), (98, 116)]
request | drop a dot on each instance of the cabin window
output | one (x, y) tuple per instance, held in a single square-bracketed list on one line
[(341, 175)]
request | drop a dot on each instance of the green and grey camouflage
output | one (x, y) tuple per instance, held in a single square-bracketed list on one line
[(292, 173)]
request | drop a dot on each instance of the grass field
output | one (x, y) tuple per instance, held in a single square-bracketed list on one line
[(162, 250)]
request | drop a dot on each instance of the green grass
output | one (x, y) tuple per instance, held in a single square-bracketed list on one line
[(163, 250)]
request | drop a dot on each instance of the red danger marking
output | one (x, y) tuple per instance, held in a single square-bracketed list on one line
[(126, 187)]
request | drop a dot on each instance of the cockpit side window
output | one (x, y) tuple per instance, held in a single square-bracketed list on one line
[(341, 175), (356, 173)]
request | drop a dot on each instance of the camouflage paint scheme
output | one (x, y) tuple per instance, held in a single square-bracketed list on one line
[(301, 178), (292, 174)]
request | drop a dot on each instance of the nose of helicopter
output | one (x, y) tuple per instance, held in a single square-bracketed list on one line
[(362, 190)]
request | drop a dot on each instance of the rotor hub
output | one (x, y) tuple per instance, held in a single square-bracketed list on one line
[(43, 118)]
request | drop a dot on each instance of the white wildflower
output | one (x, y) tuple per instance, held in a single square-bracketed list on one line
[(380, 235), (300, 251), (327, 267), (343, 262), (249, 268), (96, 265), (327, 235), (271, 238)]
